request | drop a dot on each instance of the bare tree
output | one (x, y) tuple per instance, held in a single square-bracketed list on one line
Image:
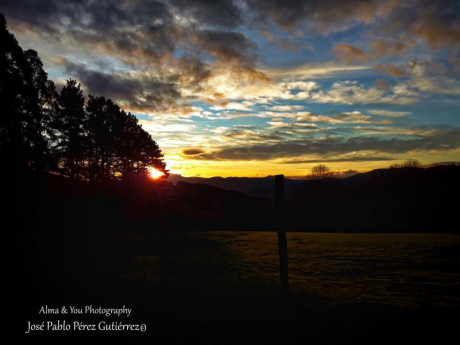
[(410, 163), (321, 171)]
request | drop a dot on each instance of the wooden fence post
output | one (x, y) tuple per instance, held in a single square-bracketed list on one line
[(282, 242)]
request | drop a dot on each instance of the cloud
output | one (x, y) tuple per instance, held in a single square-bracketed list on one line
[(192, 152), (323, 70), (278, 123), (243, 86), (426, 68), (440, 85), (229, 46), (389, 113), (366, 158), (436, 22), (353, 117), (455, 61), (391, 70), (161, 57), (348, 53), (251, 136), (104, 25), (433, 139), (390, 47), (286, 44), (381, 84), (310, 117), (182, 43), (138, 31), (190, 72), (144, 93), (284, 108), (221, 13), (243, 106), (317, 16), (168, 128), (350, 92)]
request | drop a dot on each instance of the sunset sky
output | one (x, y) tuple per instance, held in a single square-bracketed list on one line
[(261, 87)]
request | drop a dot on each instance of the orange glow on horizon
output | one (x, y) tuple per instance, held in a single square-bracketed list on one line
[(189, 167), (154, 173)]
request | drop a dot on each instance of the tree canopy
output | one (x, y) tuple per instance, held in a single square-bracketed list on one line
[(321, 171), (46, 130)]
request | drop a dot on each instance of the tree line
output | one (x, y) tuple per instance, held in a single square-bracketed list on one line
[(60, 132), (322, 171)]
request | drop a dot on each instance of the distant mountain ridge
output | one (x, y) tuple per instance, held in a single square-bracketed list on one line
[(407, 199), (252, 186), (264, 186), (382, 200)]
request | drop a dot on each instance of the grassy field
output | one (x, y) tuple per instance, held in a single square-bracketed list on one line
[(409, 270), (223, 287)]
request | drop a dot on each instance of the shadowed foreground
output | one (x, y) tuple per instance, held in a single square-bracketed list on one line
[(222, 287), (78, 244)]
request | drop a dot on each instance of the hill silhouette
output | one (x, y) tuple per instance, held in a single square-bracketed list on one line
[(73, 239), (253, 186), (383, 200)]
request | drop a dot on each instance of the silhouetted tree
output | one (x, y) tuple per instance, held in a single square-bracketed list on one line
[(321, 171), (101, 137), (149, 154), (410, 163), (45, 99), (26, 106), (69, 124), (41, 129), (118, 147)]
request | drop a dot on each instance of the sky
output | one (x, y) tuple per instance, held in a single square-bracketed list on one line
[(263, 87)]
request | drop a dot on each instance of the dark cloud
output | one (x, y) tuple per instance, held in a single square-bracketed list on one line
[(318, 16), (192, 152), (439, 23), (131, 29), (185, 41), (244, 135), (154, 28), (143, 93), (178, 40), (234, 49), (337, 160), (228, 46), (34, 12), (137, 30), (439, 139), (219, 13), (436, 22), (191, 72), (394, 25)]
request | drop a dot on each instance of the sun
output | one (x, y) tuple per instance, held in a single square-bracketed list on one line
[(154, 173)]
